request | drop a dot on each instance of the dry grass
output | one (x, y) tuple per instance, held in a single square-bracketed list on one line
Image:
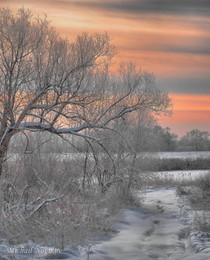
[(57, 203), (197, 193)]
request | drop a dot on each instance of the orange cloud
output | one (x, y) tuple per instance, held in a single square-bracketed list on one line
[(191, 102), (172, 46), (190, 112), (161, 43)]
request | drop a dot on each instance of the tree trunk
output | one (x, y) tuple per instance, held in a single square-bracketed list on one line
[(4, 146)]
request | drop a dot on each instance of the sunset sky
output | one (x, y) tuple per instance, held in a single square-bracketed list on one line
[(170, 38)]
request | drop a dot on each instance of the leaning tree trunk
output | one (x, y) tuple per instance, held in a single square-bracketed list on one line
[(4, 146)]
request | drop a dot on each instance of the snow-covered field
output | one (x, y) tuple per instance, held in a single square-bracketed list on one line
[(162, 229), (182, 155), (161, 155), (179, 176), (149, 233)]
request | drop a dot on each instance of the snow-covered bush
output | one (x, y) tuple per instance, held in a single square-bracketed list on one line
[(198, 195)]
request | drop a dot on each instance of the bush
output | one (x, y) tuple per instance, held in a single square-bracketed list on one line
[(198, 196), (56, 201), (175, 164)]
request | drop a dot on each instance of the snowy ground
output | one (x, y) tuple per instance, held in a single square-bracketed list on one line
[(162, 229), (182, 155), (180, 176), (162, 155)]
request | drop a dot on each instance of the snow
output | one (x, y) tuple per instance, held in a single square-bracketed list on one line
[(26, 251), (161, 229), (182, 155), (157, 231), (179, 176), (74, 155)]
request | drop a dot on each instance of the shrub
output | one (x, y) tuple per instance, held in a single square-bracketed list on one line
[(198, 196)]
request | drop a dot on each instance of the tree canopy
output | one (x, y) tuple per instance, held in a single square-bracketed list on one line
[(63, 86)]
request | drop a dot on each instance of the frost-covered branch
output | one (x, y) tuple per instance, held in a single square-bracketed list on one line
[(52, 84)]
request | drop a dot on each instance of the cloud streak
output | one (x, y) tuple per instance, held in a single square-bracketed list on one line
[(174, 7), (168, 37), (135, 7), (184, 85), (153, 33)]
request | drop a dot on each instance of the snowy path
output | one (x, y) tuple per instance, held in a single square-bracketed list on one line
[(152, 233), (159, 230)]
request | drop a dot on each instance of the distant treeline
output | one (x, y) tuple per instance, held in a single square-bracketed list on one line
[(162, 139), (126, 138), (154, 138)]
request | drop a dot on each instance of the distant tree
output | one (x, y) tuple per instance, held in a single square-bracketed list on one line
[(170, 140), (139, 139), (195, 140), (51, 84), (161, 139)]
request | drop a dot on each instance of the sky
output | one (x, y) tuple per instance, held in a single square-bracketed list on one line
[(170, 38)]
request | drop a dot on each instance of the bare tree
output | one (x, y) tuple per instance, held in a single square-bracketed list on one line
[(48, 83), (195, 140)]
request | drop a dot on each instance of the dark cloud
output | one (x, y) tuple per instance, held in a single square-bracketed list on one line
[(195, 47), (174, 43), (186, 85), (169, 48), (201, 7), (187, 50)]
